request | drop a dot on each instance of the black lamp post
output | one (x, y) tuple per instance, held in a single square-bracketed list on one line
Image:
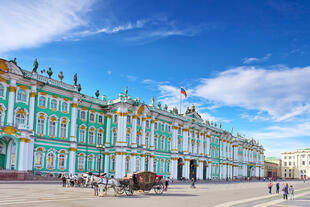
[(101, 148)]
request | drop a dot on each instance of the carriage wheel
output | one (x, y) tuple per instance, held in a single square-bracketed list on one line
[(159, 189), (128, 190), (121, 190)]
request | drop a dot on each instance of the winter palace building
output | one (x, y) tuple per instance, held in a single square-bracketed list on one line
[(49, 126)]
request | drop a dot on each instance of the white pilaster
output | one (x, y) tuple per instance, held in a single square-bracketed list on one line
[(21, 157), (152, 147), (106, 162), (12, 91), (108, 131), (31, 106), (73, 120), (134, 132)]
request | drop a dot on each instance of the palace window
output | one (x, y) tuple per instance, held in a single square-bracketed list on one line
[(50, 160), (128, 136), (91, 137), (1, 118), (146, 142), (100, 138), (100, 119), (52, 128), (54, 104), (138, 121), (40, 126), (147, 123), (90, 164), (1, 90), (169, 145), (63, 130), (61, 161), (64, 107), (114, 118), (168, 167), (81, 161), (21, 95), (156, 143), (137, 165), (127, 161), (128, 119), (38, 159), (180, 145), (156, 126), (162, 127), (169, 129), (114, 136), (197, 151), (112, 164), (82, 135), (92, 117), (138, 140), (42, 101), (83, 115), (162, 143), (155, 165), (179, 131), (20, 119), (303, 163), (162, 163)]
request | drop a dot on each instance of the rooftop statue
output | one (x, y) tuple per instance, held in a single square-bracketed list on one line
[(220, 125), (79, 88), (166, 107), (153, 100), (14, 61), (75, 79), (60, 76), (207, 122), (49, 72), (97, 93), (35, 66), (126, 91), (159, 105)]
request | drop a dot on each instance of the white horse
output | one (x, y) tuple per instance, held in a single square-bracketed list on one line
[(104, 184)]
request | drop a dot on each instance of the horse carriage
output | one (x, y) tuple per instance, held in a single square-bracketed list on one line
[(145, 181)]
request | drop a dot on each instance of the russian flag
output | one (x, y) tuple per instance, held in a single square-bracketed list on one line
[(183, 92)]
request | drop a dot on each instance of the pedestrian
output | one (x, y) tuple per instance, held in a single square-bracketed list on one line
[(270, 187), (291, 191), (193, 183), (64, 180), (166, 184), (277, 187), (285, 191)]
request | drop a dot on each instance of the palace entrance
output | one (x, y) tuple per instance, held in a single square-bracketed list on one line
[(192, 169), (8, 153), (180, 168), (204, 170)]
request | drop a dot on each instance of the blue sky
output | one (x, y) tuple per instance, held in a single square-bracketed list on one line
[(243, 63)]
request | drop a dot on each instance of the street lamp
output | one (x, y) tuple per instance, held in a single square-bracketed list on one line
[(101, 148)]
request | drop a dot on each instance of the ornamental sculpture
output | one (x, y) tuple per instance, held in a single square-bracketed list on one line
[(35, 66)]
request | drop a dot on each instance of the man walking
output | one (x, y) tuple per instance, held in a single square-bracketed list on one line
[(277, 187)]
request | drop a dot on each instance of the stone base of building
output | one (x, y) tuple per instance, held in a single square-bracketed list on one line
[(22, 175)]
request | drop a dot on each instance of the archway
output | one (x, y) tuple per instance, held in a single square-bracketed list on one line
[(192, 169), (180, 168), (204, 170), (8, 153)]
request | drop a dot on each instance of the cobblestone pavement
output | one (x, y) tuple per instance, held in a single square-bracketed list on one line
[(177, 195)]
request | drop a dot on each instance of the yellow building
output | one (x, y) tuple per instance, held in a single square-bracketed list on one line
[(272, 167), (296, 165)]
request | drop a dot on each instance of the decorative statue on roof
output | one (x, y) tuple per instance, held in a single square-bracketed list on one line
[(126, 91), (215, 124), (166, 107), (193, 108), (220, 125), (79, 88), (232, 129), (207, 122), (49, 72), (14, 61), (211, 123), (153, 100), (75, 79), (187, 110), (159, 105), (97, 94), (35, 66), (175, 110), (60, 76)]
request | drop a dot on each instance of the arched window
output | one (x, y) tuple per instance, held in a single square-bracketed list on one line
[(63, 129), (162, 162), (114, 118), (147, 141), (146, 164), (42, 101), (40, 126), (162, 143), (169, 145), (128, 136), (82, 135), (50, 160), (1, 90), (91, 136), (52, 128), (113, 163), (147, 123), (21, 95), (92, 117), (61, 161), (100, 119), (156, 126), (100, 138), (90, 163), (168, 167), (138, 121), (127, 167), (114, 137), (64, 107), (53, 104), (38, 159), (137, 165), (155, 165), (128, 119), (180, 145), (20, 119), (156, 143), (83, 115), (162, 127), (0, 117), (81, 162), (138, 140)]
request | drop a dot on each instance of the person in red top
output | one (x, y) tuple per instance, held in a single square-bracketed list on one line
[(270, 187)]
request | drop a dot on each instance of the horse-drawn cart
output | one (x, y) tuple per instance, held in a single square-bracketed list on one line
[(145, 181)]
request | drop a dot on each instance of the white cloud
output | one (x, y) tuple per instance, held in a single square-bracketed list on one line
[(250, 60), (109, 72), (131, 77), (37, 22), (282, 93)]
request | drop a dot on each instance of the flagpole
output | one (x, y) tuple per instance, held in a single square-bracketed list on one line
[(180, 100)]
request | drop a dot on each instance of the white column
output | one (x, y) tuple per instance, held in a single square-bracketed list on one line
[(174, 139), (201, 135), (209, 169), (151, 163), (118, 165), (143, 132), (106, 162), (72, 156), (186, 164), (124, 120), (119, 128), (73, 120), (123, 171), (12, 90), (152, 135), (185, 141), (31, 106), (142, 167), (108, 131), (133, 162), (174, 168), (21, 157), (134, 131), (200, 169), (30, 152)]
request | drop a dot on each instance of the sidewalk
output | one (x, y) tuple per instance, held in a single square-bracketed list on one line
[(30, 182)]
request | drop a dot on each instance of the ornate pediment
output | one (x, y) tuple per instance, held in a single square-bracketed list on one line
[(10, 67)]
